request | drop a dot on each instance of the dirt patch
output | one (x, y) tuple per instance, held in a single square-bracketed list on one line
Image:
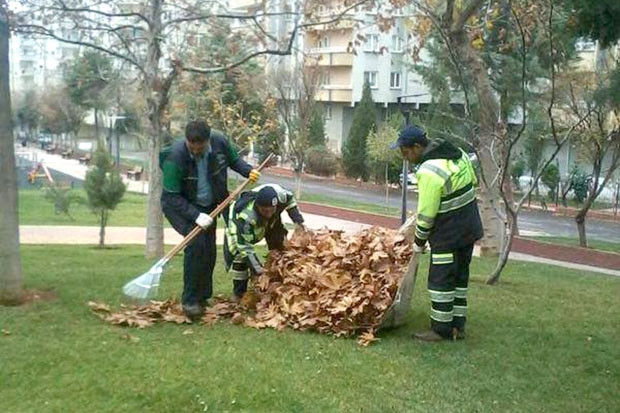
[(30, 296)]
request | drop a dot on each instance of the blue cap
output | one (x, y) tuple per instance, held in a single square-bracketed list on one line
[(409, 136)]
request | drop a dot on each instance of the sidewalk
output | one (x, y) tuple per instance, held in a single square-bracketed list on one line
[(317, 216), (73, 168)]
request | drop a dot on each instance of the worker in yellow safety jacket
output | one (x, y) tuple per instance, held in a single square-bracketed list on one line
[(252, 217), (449, 220)]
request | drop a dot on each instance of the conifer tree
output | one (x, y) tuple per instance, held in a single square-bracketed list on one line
[(354, 151), (104, 187), (316, 129)]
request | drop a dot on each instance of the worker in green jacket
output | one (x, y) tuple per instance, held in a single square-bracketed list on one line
[(448, 219), (252, 217)]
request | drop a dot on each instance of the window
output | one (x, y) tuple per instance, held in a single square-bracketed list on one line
[(371, 78), (323, 42), (324, 79), (328, 111), (397, 44), (395, 80), (372, 43)]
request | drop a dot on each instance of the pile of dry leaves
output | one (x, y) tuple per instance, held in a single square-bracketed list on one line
[(323, 281)]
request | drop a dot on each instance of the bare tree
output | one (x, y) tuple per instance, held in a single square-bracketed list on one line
[(150, 36), (10, 264), (295, 90), (59, 114), (492, 46), (559, 134), (590, 97)]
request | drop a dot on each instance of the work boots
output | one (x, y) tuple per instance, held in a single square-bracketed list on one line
[(193, 311), (429, 336), (458, 334), (239, 288)]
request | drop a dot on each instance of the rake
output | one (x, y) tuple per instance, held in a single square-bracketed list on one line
[(396, 313), (145, 286)]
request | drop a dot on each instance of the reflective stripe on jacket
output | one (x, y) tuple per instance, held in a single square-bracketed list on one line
[(447, 213)]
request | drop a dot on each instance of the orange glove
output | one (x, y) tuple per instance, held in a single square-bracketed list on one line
[(254, 175)]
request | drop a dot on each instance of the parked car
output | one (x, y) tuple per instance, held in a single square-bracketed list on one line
[(412, 182)]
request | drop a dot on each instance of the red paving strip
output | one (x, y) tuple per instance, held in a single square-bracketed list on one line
[(349, 215), (564, 253), (576, 255)]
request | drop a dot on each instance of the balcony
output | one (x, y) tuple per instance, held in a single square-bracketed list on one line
[(335, 93), (346, 23), (332, 56)]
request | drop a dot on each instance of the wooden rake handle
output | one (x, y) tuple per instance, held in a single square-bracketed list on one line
[(189, 237)]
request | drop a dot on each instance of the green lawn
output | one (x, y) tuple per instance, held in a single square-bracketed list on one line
[(34, 209), (545, 339), (574, 242), (356, 206)]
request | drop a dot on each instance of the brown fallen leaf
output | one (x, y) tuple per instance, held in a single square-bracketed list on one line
[(99, 307), (130, 338), (323, 281)]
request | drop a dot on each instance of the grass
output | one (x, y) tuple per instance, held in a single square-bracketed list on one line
[(574, 242), (348, 204), (34, 209), (545, 339)]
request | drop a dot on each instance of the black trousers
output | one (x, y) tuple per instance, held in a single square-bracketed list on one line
[(198, 264), (448, 278)]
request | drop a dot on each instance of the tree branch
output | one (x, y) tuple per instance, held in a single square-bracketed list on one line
[(43, 31), (244, 59), (469, 10), (448, 15), (66, 9)]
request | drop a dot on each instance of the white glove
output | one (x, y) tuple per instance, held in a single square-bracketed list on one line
[(204, 220), (407, 230), (419, 249)]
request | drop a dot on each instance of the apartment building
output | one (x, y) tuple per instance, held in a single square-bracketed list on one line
[(381, 58), (36, 63)]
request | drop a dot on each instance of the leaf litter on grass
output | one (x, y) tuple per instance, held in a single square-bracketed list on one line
[(323, 281)]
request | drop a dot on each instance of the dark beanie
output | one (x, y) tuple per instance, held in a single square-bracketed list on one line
[(267, 197)]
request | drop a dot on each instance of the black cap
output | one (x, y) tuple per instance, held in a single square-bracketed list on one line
[(267, 197), (410, 135)]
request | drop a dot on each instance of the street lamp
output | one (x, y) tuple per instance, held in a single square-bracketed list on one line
[(117, 136)]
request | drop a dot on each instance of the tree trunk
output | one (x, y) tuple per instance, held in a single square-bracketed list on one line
[(387, 185), (580, 219), (103, 221), (97, 128), (477, 81), (155, 221), (10, 264), (511, 217), (298, 184), (156, 97)]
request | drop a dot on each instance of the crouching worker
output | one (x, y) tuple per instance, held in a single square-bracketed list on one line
[(252, 217)]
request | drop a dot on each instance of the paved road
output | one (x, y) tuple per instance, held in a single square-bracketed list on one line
[(531, 221), (535, 221)]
